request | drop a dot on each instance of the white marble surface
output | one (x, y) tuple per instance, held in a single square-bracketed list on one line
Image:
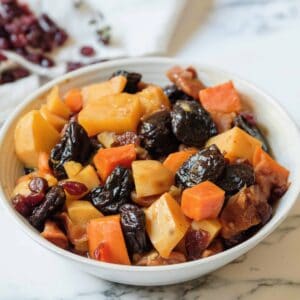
[(259, 40)]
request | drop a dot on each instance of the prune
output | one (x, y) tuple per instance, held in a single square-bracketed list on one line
[(191, 124), (115, 192), (236, 176), (251, 129), (207, 164), (133, 80), (54, 201), (133, 224), (74, 145), (156, 134), (196, 241), (174, 94), (38, 185)]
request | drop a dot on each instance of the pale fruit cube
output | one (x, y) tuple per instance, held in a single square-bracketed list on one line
[(72, 168), (55, 105), (33, 134), (165, 224), (111, 87), (81, 212), (56, 121), (212, 226), (88, 176), (152, 99), (118, 113), (151, 178), (235, 143)]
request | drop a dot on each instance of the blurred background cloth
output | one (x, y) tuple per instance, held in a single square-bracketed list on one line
[(138, 27)]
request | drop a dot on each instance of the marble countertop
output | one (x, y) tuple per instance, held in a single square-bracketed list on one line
[(259, 40)]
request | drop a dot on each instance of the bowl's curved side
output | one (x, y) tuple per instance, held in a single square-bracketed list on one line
[(283, 136)]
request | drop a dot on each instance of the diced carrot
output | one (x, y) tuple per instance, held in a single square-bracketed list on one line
[(106, 231), (203, 201), (102, 253), (106, 160), (221, 98), (43, 163), (174, 160), (264, 162), (73, 99)]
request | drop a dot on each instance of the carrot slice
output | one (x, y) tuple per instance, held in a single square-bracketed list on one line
[(221, 98), (106, 240), (106, 160), (203, 201), (73, 99), (175, 160), (43, 163)]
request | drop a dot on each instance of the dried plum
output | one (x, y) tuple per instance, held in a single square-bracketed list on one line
[(133, 80), (252, 129), (235, 177), (174, 94), (115, 192), (133, 224), (54, 201), (191, 124), (207, 164), (74, 145), (156, 134)]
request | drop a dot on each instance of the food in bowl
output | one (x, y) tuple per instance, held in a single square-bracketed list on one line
[(126, 172)]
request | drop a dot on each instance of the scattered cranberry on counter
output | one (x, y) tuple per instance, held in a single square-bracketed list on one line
[(87, 51)]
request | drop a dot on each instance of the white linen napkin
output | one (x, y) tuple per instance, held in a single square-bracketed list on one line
[(138, 27)]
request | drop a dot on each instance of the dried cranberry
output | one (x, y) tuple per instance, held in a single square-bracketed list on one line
[(46, 62), (87, 51), (34, 199), (74, 188), (196, 241), (73, 65), (38, 185), (4, 43), (20, 205), (20, 73)]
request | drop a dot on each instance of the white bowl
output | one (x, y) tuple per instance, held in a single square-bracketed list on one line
[(282, 134)]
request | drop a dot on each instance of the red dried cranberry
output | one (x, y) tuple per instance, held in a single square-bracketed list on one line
[(46, 62), (20, 205), (60, 37), (87, 51), (196, 241), (2, 57), (74, 188), (4, 43), (20, 73), (18, 40), (38, 185), (73, 65), (34, 199)]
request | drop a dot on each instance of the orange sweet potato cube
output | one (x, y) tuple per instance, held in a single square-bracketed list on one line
[(202, 201)]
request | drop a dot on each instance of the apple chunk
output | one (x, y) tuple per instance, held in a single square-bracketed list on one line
[(33, 134)]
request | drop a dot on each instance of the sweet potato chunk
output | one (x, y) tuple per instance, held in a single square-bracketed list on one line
[(33, 134), (111, 87), (151, 178), (152, 99), (106, 160), (235, 143), (116, 113), (175, 160), (165, 224), (107, 231), (202, 201), (222, 98), (245, 209)]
